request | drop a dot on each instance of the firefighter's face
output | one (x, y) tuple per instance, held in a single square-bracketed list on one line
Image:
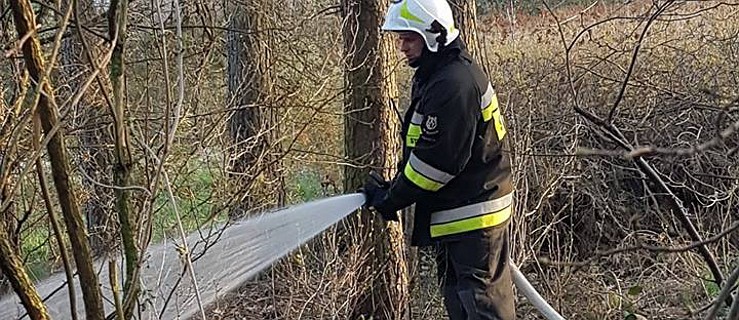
[(410, 44)]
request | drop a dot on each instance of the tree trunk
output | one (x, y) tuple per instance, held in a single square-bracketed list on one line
[(465, 16), (371, 139), (254, 159), (9, 236), (117, 20), (93, 137), (12, 266), (49, 115)]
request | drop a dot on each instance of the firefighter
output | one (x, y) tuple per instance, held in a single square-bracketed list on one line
[(455, 167)]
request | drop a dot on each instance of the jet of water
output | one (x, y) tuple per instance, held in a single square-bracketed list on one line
[(241, 252)]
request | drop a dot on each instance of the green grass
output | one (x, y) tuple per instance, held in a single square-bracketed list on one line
[(36, 252), (305, 185), (712, 289), (193, 193)]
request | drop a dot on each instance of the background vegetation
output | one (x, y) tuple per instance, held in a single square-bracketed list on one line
[(622, 117)]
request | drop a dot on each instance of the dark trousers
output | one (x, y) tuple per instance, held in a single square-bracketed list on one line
[(475, 276)]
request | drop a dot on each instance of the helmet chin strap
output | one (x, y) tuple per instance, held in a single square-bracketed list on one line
[(426, 54), (436, 27)]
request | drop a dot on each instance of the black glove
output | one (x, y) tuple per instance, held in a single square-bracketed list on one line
[(375, 190)]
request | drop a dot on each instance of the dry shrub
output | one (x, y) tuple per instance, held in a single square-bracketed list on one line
[(681, 93)]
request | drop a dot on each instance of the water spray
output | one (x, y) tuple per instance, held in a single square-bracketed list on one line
[(238, 253)]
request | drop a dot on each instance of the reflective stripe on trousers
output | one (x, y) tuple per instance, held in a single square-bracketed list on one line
[(472, 217)]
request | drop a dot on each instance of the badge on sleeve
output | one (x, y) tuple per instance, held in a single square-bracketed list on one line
[(431, 123), (430, 128)]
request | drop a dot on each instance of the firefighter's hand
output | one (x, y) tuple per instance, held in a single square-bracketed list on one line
[(373, 192), (376, 193)]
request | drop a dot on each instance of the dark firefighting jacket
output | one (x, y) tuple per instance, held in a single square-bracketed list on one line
[(454, 166)]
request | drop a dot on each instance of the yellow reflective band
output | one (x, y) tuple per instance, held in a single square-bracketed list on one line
[(487, 113), (472, 210), (407, 15), (499, 127), (419, 180), (474, 223), (414, 132)]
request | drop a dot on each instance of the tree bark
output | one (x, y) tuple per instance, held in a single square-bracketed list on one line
[(117, 19), (371, 139), (12, 266), (254, 157), (49, 115), (465, 16), (54, 220), (8, 215)]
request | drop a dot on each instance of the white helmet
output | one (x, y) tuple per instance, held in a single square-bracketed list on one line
[(418, 16)]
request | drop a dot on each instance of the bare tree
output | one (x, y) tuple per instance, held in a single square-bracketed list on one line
[(11, 263), (371, 139), (254, 154), (8, 215), (77, 52), (653, 145), (123, 168)]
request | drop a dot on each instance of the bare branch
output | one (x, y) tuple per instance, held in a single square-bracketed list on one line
[(600, 254), (634, 56), (54, 219)]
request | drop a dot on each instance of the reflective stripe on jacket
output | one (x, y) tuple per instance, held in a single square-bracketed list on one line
[(480, 215)]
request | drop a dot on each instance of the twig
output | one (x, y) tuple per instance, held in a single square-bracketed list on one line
[(634, 57), (647, 151), (114, 286), (694, 245), (20, 43), (682, 215), (180, 74), (100, 184), (185, 250), (689, 247), (156, 179)]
